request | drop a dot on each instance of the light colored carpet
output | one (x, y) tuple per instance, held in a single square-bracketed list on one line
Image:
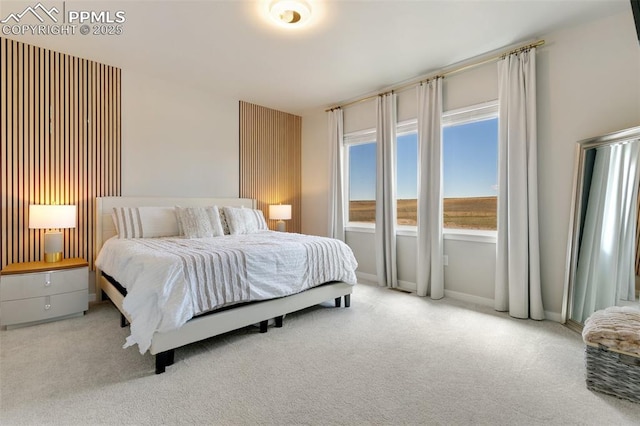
[(392, 358)]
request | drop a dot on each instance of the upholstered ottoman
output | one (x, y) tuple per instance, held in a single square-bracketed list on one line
[(612, 338)]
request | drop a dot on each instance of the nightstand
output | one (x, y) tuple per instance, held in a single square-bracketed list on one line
[(33, 292)]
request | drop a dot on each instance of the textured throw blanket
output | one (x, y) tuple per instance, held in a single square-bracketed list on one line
[(171, 280), (617, 328)]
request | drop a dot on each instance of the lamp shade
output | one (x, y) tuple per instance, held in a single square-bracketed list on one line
[(48, 216), (280, 211)]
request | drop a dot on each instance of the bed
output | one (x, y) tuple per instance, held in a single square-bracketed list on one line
[(195, 322)]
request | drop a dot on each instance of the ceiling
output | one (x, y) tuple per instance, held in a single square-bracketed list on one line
[(348, 49)]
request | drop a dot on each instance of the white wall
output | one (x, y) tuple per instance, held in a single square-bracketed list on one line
[(588, 85), (315, 175), (177, 140)]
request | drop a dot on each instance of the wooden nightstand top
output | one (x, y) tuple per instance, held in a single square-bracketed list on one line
[(26, 267)]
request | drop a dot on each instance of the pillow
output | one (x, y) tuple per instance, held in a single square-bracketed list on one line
[(224, 222), (214, 217), (145, 222), (244, 221), (199, 222)]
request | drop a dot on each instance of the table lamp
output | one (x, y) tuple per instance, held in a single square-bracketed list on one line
[(280, 212), (52, 218)]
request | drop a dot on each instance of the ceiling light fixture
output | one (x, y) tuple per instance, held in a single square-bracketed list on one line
[(290, 13)]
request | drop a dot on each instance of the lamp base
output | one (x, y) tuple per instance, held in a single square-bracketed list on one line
[(53, 257), (53, 246), (281, 226)]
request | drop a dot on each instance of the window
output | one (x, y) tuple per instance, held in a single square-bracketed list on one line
[(360, 157), (470, 167), (407, 173), (469, 170), (360, 175)]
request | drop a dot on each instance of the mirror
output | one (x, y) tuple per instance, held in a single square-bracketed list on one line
[(602, 257)]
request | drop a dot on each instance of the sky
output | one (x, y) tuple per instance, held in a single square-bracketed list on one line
[(470, 163)]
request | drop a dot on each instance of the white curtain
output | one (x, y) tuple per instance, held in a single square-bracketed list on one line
[(430, 268), (605, 271), (518, 253), (336, 199), (385, 191)]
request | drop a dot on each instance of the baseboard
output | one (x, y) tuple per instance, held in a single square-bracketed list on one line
[(368, 278), (92, 297), (483, 301), (553, 316), (409, 286), (464, 297)]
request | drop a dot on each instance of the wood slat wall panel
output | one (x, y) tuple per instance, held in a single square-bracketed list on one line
[(270, 160), (60, 144)]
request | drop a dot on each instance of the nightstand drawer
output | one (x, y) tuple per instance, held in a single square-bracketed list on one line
[(22, 286), (42, 308)]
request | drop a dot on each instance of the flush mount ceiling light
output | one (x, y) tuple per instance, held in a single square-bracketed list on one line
[(290, 13)]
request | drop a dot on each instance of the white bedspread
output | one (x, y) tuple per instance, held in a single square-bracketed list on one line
[(171, 280)]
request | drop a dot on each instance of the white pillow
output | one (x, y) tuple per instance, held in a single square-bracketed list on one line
[(145, 222), (199, 222), (244, 221), (216, 224)]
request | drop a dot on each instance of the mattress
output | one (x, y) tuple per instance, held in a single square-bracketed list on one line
[(171, 280)]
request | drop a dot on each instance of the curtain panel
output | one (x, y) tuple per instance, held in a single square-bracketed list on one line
[(386, 215), (336, 197), (518, 288), (430, 246)]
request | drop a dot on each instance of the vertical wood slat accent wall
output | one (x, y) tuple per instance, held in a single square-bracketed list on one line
[(60, 132), (270, 160)]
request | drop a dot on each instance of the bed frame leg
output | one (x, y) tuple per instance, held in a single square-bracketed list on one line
[(279, 321), (347, 300), (338, 302), (163, 360), (263, 326), (123, 321)]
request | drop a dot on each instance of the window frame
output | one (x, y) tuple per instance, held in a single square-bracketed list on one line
[(470, 114), (359, 137)]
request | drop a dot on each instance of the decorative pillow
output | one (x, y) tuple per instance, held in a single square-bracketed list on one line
[(195, 222), (244, 221), (199, 222), (145, 222), (224, 222), (260, 220), (214, 217)]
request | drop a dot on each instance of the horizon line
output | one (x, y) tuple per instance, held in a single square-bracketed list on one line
[(479, 196)]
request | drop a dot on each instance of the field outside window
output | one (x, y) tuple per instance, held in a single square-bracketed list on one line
[(407, 174), (470, 173), (361, 178)]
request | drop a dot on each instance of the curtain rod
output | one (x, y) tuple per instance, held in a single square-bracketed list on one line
[(442, 74)]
